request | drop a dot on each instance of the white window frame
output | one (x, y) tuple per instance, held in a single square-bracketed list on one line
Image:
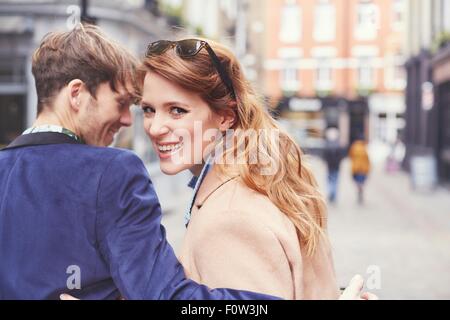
[(324, 65), (291, 23), (365, 65), (290, 76), (368, 30), (392, 81), (446, 9), (398, 7), (324, 22)]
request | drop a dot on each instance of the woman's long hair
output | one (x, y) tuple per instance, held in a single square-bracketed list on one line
[(292, 187)]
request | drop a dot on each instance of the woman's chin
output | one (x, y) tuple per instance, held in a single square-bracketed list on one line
[(170, 171)]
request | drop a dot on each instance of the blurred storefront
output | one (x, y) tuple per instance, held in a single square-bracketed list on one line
[(441, 79), (386, 117), (427, 132), (419, 119), (308, 118)]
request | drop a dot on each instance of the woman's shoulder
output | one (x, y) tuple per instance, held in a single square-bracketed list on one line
[(236, 201)]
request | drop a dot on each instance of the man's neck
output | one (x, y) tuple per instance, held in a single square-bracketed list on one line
[(54, 119)]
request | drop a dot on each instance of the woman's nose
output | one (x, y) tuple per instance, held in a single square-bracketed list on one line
[(158, 127)]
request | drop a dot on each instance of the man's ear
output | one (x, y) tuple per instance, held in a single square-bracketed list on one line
[(75, 87)]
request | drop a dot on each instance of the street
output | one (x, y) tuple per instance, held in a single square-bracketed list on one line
[(399, 240)]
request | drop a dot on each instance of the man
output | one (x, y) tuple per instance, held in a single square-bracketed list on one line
[(333, 155), (75, 216)]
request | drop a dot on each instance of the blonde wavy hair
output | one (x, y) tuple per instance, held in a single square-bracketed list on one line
[(292, 188)]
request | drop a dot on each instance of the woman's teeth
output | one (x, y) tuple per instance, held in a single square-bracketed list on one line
[(170, 147)]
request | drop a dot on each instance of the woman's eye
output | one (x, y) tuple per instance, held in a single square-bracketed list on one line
[(178, 111), (148, 110)]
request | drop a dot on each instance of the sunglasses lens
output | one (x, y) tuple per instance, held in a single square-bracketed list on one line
[(189, 47), (158, 47)]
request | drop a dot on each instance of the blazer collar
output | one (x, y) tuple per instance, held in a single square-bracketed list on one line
[(213, 181), (40, 138)]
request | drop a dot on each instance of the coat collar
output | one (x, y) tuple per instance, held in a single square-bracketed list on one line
[(41, 138), (213, 181)]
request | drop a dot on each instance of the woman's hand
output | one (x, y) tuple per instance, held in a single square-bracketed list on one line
[(353, 291), (66, 296)]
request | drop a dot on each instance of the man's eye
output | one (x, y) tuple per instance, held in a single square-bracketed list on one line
[(178, 111)]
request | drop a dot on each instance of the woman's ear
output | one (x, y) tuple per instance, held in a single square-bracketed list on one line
[(75, 87), (228, 120)]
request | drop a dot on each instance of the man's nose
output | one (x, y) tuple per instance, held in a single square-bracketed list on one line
[(126, 119)]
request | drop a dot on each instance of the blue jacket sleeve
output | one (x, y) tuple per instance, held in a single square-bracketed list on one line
[(133, 241)]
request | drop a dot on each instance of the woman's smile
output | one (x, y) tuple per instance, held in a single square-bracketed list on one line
[(167, 149)]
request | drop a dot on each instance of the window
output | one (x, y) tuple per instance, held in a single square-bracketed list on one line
[(366, 73), (12, 69), (324, 21), (291, 23), (290, 76), (395, 76), (368, 17), (324, 77), (445, 7), (398, 14)]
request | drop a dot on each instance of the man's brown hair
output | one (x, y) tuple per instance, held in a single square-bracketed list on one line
[(83, 53)]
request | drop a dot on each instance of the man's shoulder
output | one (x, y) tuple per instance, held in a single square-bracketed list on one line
[(110, 155), (110, 152), (72, 154)]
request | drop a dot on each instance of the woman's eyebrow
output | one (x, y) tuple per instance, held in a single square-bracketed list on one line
[(170, 103), (143, 102)]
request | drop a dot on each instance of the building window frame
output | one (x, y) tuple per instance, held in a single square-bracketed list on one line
[(290, 76), (395, 73), (366, 73), (324, 80), (291, 23), (367, 20), (324, 10), (398, 14)]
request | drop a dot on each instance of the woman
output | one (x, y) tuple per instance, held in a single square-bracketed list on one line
[(257, 222)]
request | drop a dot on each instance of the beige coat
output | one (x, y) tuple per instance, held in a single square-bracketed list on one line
[(237, 238)]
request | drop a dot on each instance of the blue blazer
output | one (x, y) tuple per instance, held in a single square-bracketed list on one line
[(85, 220)]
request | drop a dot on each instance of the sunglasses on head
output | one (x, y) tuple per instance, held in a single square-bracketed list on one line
[(188, 48)]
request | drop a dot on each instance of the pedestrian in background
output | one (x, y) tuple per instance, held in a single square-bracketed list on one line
[(360, 165), (333, 155), (395, 157)]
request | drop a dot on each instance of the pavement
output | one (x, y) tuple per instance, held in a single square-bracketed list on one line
[(398, 240)]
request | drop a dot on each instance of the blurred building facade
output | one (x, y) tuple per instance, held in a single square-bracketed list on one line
[(342, 55), (428, 83), (213, 19), (322, 62)]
